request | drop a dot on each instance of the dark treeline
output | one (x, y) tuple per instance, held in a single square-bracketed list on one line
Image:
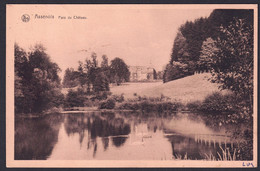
[(94, 77), (188, 43)]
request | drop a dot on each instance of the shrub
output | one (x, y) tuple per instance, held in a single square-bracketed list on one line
[(151, 106), (129, 106), (118, 98), (108, 104), (102, 95), (194, 106), (74, 99), (218, 103)]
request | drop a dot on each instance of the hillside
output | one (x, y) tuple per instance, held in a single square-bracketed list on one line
[(190, 88)]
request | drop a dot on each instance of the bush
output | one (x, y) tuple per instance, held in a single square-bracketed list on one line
[(129, 106), (219, 104), (102, 95), (194, 106), (74, 99), (108, 104), (151, 106), (118, 98)]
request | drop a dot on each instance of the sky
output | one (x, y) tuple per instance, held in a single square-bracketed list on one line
[(139, 34)]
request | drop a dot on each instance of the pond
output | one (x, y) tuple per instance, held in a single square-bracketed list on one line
[(118, 136)]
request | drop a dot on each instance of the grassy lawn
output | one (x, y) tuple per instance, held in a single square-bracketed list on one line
[(191, 88)]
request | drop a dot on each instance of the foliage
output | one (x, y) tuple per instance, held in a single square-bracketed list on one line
[(36, 80), (207, 51), (75, 98), (80, 98), (225, 155), (154, 74), (194, 37), (194, 106), (146, 105), (104, 63), (180, 49), (223, 17), (175, 71), (71, 78), (218, 104), (119, 71), (231, 60), (108, 104), (118, 98), (102, 95), (194, 33), (229, 109)]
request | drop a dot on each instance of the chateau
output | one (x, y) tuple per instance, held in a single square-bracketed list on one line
[(141, 73)]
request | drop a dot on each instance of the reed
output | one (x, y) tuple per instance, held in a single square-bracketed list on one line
[(225, 156)]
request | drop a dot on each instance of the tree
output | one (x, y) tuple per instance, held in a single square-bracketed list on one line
[(231, 60), (223, 17), (105, 67), (101, 82), (207, 51), (154, 74), (232, 66), (119, 71), (180, 49), (104, 63), (38, 80), (175, 71), (82, 76), (195, 33), (71, 78), (94, 60), (22, 100)]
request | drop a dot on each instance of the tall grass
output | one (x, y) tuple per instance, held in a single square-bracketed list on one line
[(180, 157), (225, 156)]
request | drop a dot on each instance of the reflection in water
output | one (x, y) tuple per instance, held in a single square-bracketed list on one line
[(97, 126), (35, 138), (118, 141), (115, 136), (196, 150), (105, 142)]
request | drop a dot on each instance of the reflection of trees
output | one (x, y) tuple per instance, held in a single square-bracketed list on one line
[(182, 145), (105, 142), (155, 124), (118, 141), (97, 126), (35, 138)]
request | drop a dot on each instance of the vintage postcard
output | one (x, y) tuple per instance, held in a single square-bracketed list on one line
[(131, 85)]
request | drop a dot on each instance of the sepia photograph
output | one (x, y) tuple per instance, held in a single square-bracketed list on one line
[(131, 85)]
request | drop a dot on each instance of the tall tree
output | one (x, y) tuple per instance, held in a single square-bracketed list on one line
[(104, 63), (180, 49), (231, 59), (94, 60), (119, 71), (39, 80), (71, 78)]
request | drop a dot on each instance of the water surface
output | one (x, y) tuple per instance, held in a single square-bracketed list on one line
[(117, 136)]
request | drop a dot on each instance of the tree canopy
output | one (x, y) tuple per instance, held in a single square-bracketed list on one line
[(36, 80), (192, 38), (119, 71)]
